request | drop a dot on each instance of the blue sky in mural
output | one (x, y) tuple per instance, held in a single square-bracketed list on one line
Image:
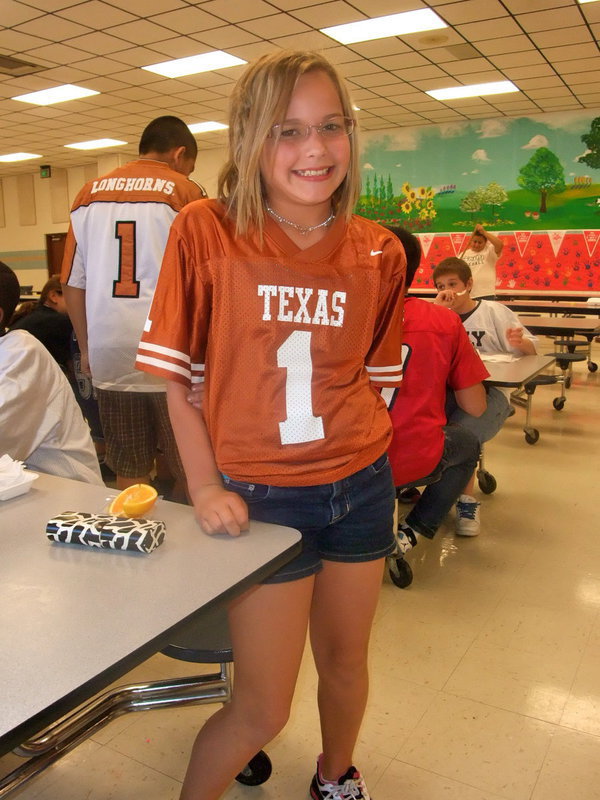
[(474, 153)]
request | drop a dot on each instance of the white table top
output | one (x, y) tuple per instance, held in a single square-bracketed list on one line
[(516, 372), (541, 324), (75, 618)]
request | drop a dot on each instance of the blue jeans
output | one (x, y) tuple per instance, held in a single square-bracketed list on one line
[(489, 423), (459, 459), (350, 520)]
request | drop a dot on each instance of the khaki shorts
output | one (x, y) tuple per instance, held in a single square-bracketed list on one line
[(136, 425)]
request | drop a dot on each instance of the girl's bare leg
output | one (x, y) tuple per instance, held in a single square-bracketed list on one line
[(344, 602), (268, 632)]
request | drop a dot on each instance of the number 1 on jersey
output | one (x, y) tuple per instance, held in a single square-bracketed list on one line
[(300, 425), (126, 284)]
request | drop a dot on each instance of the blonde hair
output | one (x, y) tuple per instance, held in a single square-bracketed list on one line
[(259, 101)]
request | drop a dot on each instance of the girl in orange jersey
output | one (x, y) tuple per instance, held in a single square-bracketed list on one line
[(287, 309)]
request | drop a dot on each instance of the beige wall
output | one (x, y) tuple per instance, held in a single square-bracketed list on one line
[(31, 207)]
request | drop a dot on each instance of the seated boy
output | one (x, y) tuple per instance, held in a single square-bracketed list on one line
[(40, 421), (492, 328), (436, 354)]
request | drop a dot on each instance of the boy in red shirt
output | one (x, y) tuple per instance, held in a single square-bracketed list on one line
[(436, 354)]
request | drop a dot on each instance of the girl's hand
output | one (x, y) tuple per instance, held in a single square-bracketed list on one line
[(219, 511), (514, 336), (195, 395)]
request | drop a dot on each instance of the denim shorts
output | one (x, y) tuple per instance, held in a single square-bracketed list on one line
[(350, 520)]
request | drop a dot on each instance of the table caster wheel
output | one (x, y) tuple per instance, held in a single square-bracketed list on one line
[(559, 403), (592, 366), (532, 436), (487, 482), (400, 572), (257, 771)]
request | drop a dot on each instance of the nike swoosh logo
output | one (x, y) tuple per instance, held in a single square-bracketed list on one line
[(376, 252)]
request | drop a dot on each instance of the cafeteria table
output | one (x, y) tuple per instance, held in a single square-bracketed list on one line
[(517, 373), (569, 327), (75, 618)]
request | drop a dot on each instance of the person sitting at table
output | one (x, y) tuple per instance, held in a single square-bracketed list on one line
[(492, 328), (49, 322), (436, 354), (481, 254), (40, 421)]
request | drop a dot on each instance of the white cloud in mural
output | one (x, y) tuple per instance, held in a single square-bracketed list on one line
[(474, 172), (403, 139), (480, 155), (535, 142), (490, 128), (465, 173), (450, 130), (368, 166), (571, 121), (397, 165), (585, 153)]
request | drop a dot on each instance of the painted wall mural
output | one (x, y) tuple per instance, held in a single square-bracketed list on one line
[(535, 181)]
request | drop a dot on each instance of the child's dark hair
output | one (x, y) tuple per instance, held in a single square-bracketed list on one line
[(412, 249), (10, 292), (453, 266), (165, 133)]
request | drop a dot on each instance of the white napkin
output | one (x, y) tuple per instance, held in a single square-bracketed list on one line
[(12, 473), (594, 301), (498, 357)]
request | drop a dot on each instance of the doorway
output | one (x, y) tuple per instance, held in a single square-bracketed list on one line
[(55, 248)]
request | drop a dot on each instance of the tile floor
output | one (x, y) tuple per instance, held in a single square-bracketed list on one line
[(486, 671)]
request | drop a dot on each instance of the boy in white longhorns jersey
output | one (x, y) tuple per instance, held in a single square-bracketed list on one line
[(119, 228)]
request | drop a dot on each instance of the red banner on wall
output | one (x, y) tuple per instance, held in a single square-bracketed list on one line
[(538, 260)]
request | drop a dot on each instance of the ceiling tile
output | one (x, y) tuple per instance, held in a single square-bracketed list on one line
[(274, 26), (326, 14), (187, 20), (480, 31), (141, 32), (52, 27), (471, 11), (238, 12), (225, 37), (561, 36), (550, 20), (504, 44), (12, 41), (97, 14)]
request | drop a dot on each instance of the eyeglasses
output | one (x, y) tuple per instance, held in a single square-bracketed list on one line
[(293, 131)]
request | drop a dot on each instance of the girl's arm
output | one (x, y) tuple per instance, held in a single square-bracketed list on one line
[(217, 510), (495, 240)]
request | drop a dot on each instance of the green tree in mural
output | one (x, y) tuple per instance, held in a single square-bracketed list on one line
[(494, 195), (471, 203), (368, 195), (389, 190), (592, 141), (543, 173)]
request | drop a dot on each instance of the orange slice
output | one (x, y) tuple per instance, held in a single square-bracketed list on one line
[(135, 501)]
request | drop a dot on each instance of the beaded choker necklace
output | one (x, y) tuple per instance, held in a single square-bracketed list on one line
[(303, 229)]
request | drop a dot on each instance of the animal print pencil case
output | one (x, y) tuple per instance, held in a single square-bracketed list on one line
[(106, 531)]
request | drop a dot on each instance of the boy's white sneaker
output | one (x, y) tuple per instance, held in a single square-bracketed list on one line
[(467, 516)]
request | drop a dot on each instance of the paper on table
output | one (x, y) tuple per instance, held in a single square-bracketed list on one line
[(15, 479), (498, 357), (11, 472)]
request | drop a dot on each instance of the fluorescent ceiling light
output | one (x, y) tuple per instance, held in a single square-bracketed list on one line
[(95, 144), (59, 94), (475, 90), (587, 1), (381, 27), (204, 127), (205, 62), (19, 156)]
